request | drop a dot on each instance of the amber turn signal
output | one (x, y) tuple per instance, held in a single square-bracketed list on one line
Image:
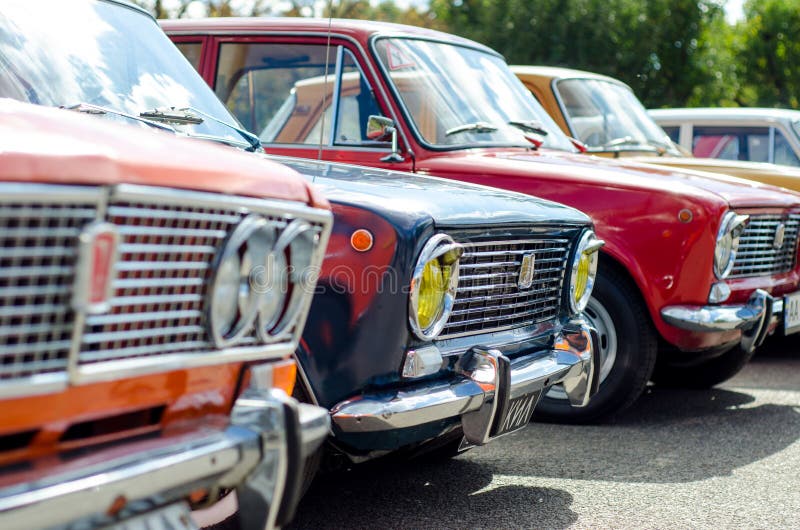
[(361, 240)]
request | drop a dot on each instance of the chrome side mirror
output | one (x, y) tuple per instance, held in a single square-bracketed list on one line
[(382, 129)]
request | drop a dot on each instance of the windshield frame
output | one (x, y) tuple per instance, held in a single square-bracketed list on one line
[(523, 143), (669, 147)]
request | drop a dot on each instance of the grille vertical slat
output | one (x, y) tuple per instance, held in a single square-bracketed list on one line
[(493, 301), (757, 256)]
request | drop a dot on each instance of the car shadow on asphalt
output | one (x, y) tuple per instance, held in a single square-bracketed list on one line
[(405, 495), (668, 436)]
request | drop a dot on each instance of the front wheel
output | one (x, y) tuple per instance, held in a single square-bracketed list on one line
[(628, 349)]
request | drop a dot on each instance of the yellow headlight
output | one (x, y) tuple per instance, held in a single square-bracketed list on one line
[(432, 289), (582, 276), (584, 271)]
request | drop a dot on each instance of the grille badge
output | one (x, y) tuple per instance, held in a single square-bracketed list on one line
[(526, 271), (780, 233)]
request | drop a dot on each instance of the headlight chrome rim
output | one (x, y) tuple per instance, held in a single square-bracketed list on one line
[(588, 246), (439, 246), (730, 229)]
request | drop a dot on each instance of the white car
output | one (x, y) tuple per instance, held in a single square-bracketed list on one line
[(755, 134)]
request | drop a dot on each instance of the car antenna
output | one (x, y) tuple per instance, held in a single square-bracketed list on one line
[(325, 78)]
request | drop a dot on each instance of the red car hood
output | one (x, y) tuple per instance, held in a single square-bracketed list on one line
[(620, 173), (58, 146)]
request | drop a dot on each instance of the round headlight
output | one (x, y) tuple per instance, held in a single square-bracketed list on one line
[(291, 265), (433, 286), (730, 229), (225, 301), (584, 271)]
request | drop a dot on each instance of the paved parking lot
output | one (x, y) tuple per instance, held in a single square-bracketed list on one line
[(722, 458)]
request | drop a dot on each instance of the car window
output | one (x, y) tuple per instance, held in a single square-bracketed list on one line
[(192, 51), (784, 154), (281, 92), (673, 132), (731, 143)]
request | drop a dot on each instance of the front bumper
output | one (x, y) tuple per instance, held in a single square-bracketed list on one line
[(753, 318), (487, 405), (267, 439)]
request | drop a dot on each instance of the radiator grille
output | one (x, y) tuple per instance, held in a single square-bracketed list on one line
[(489, 298), (757, 255), (39, 243), (165, 262)]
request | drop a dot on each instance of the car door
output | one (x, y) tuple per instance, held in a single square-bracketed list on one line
[(301, 97)]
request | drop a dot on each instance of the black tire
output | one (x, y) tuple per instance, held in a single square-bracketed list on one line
[(628, 340), (705, 374)]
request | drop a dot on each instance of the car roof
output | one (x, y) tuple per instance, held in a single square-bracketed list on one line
[(558, 72), (726, 113), (360, 29)]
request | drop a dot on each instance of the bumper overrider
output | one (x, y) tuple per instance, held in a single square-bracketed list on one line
[(259, 454), (490, 393), (752, 318)]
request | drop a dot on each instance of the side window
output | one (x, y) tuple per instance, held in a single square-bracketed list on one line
[(731, 143), (784, 154), (674, 132), (281, 92), (192, 51)]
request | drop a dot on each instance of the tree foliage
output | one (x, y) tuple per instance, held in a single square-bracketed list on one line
[(671, 52)]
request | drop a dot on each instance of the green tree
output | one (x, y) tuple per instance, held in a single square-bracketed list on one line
[(771, 50), (655, 46)]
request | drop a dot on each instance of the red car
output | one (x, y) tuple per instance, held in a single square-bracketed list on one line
[(122, 405), (696, 269)]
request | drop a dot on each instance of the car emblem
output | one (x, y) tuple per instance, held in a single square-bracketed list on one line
[(780, 232), (526, 270)]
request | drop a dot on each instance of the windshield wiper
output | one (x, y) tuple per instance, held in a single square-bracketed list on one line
[(89, 108), (191, 115), (478, 126), (531, 126)]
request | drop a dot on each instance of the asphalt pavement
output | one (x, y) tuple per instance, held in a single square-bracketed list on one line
[(728, 457)]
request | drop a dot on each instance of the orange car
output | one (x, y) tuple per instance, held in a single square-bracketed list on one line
[(138, 375), (604, 114)]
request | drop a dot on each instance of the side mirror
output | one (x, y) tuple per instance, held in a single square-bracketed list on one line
[(580, 146), (382, 129)]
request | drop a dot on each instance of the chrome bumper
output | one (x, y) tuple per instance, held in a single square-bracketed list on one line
[(252, 455), (486, 404), (752, 318)]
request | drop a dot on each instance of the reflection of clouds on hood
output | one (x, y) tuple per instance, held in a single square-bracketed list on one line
[(74, 72)]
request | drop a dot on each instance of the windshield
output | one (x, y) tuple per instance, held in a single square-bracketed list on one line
[(796, 127), (105, 55), (462, 97), (608, 116)]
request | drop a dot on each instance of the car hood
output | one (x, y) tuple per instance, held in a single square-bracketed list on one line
[(447, 202), (736, 167), (57, 146), (615, 173)]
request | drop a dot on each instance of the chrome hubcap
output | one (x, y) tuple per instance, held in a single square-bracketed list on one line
[(598, 318)]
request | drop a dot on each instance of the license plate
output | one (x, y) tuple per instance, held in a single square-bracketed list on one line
[(791, 313), (173, 517), (518, 413)]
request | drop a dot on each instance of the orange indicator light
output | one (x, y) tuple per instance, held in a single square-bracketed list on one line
[(685, 216), (361, 240)]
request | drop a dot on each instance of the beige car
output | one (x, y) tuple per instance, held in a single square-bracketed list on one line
[(757, 135), (605, 115)]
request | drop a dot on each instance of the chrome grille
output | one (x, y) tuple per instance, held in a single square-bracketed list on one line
[(165, 261), (488, 297), (757, 256), (39, 242)]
